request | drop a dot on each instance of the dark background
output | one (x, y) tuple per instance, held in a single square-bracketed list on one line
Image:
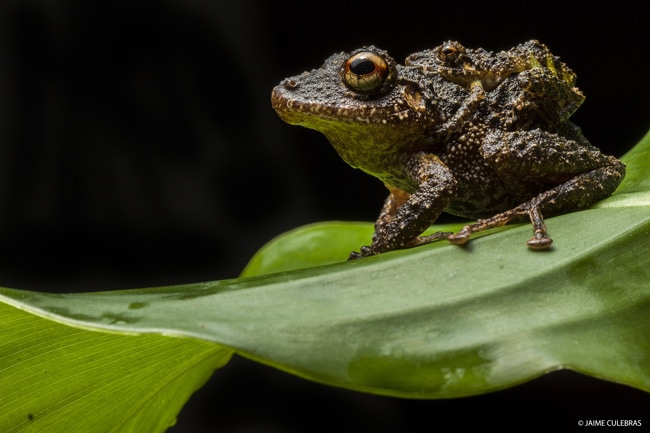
[(138, 148)]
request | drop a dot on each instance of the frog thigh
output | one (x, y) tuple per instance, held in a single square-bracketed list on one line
[(535, 154)]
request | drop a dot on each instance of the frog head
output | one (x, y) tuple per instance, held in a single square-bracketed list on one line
[(363, 102), (462, 65)]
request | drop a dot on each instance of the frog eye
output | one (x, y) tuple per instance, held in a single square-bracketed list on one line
[(450, 51), (365, 72)]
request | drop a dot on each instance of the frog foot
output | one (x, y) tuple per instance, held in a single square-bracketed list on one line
[(461, 237), (354, 255), (365, 252), (540, 240)]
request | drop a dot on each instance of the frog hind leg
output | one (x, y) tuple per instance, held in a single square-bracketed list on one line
[(584, 175), (578, 192), (540, 239)]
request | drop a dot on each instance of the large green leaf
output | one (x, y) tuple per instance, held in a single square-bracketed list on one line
[(436, 321), (57, 378)]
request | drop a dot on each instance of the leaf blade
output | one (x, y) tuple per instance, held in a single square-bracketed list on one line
[(295, 323), (52, 374)]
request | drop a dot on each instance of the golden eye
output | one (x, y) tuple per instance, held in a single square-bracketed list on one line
[(365, 72), (450, 51)]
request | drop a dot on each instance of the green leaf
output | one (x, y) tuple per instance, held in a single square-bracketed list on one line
[(58, 378), (436, 321), (313, 245)]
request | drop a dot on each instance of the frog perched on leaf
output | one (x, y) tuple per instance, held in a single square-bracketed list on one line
[(497, 147)]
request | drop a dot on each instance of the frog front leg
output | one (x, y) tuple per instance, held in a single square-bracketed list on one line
[(405, 216), (582, 176)]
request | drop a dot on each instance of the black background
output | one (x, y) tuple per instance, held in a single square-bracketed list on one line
[(138, 148)]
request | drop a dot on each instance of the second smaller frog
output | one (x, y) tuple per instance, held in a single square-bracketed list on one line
[(546, 84), (465, 66)]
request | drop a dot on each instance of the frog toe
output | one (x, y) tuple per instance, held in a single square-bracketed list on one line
[(366, 251), (540, 241), (460, 238)]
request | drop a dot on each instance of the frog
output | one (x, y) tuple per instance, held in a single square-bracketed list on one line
[(439, 145), (547, 84), (467, 66)]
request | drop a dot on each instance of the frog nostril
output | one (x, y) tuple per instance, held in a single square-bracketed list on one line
[(291, 84)]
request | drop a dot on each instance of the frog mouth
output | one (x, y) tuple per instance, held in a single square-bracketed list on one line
[(353, 128), (297, 111)]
